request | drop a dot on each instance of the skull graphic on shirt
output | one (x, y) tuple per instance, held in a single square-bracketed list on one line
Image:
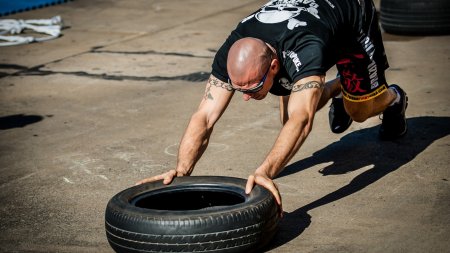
[(277, 11)]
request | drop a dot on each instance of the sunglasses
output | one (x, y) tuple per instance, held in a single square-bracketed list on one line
[(257, 87)]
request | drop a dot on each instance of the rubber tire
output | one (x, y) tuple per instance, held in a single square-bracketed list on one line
[(133, 226), (415, 17)]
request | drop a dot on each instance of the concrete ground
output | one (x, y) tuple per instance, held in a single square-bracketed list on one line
[(89, 114)]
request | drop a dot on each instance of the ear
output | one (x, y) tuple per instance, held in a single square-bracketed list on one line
[(275, 65)]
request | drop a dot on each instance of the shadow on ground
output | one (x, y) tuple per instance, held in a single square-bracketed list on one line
[(354, 151), (18, 120)]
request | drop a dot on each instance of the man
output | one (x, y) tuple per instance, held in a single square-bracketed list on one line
[(285, 48)]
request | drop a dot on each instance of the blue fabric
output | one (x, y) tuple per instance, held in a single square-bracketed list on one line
[(8, 7)]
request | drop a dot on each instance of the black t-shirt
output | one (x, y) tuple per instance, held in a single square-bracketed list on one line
[(307, 34)]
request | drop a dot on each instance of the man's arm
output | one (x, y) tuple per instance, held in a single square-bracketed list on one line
[(331, 89), (303, 102), (196, 137)]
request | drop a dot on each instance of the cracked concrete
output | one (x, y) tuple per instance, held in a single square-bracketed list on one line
[(88, 114)]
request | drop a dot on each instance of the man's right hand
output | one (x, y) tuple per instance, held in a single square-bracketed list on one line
[(166, 177)]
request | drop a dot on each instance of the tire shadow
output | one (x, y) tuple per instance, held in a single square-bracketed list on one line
[(355, 151)]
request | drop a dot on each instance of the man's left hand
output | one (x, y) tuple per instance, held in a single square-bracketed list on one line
[(267, 183)]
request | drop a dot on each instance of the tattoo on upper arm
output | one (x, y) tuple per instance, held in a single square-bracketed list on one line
[(208, 94), (215, 82), (309, 85)]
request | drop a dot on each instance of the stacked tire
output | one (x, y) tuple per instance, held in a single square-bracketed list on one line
[(415, 17), (192, 214)]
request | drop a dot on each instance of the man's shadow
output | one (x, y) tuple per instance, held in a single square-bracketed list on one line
[(354, 151)]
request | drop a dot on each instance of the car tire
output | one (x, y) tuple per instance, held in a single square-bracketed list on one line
[(415, 17), (192, 214)]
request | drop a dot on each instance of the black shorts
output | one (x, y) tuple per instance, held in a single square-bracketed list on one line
[(361, 66)]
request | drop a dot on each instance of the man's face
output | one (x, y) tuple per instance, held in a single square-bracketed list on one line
[(261, 94), (255, 90)]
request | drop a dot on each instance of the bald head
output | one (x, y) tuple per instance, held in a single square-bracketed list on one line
[(247, 61)]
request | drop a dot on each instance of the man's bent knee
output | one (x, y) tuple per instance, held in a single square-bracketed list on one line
[(359, 111)]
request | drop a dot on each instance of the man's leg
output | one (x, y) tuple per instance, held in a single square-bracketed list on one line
[(364, 87), (361, 111), (392, 103)]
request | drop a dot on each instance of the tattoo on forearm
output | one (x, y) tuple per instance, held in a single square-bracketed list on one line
[(309, 85)]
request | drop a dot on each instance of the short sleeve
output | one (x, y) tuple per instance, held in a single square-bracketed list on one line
[(305, 59)]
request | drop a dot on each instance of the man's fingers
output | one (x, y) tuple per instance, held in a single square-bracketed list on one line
[(269, 185), (166, 177), (146, 180), (169, 176), (250, 184)]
